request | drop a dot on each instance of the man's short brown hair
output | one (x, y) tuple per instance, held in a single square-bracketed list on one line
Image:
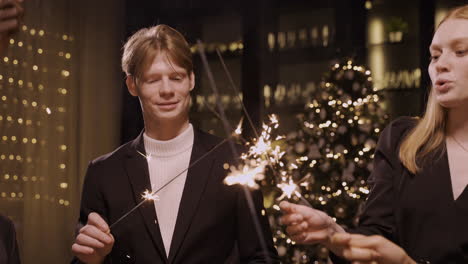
[(143, 46)]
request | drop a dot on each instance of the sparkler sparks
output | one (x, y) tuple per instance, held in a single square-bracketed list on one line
[(289, 188), (246, 175), (150, 196)]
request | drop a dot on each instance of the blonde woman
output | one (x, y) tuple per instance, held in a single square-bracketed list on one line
[(419, 198)]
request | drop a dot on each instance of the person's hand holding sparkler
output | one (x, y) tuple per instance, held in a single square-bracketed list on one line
[(94, 241), (306, 225)]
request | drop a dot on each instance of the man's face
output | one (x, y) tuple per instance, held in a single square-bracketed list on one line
[(164, 91)]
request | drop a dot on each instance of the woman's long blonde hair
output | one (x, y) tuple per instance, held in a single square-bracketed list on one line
[(429, 133)]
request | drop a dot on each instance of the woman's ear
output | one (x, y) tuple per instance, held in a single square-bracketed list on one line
[(192, 81), (131, 85)]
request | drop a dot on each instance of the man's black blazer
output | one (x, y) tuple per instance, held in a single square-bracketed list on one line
[(213, 219)]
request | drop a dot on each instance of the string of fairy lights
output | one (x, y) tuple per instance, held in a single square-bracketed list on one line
[(34, 95)]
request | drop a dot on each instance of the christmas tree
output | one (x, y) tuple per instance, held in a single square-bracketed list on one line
[(330, 154)]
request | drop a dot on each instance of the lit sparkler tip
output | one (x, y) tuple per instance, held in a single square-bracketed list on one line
[(245, 175), (238, 130), (147, 195), (273, 119), (288, 188)]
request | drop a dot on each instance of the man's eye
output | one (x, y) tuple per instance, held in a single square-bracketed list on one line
[(460, 52)]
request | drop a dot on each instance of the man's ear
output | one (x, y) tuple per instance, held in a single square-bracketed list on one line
[(192, 81), (131, 85)]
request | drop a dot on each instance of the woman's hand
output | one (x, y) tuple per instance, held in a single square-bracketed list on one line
[(369, 249)]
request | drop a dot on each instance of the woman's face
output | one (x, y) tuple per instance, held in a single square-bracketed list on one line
[(449, 63)]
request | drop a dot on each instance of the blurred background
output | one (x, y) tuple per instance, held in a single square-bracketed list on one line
[(63, 100)]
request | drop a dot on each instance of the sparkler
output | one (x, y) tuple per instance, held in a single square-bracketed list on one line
[(262, 147), (247, 193), (152, 196)]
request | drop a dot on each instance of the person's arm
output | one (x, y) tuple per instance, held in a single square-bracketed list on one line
[(93, 242), (249, 243), (378, 216)]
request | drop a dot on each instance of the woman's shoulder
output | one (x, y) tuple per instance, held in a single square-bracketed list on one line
[(403, 124), (394, 133), (400, 126)]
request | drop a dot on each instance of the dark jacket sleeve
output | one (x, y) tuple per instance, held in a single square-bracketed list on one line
[(249, 236), (378, 217), (91, 201), (8, 241)]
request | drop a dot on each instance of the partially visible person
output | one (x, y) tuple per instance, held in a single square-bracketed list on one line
[(11, 12), (198, 218), (419, 194), (8, 246)]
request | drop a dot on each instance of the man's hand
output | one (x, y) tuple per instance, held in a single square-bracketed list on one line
[(94, 241), (11, 12), (370, 249)]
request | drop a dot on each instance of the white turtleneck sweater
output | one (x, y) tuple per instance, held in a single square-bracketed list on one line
[(166, 160)]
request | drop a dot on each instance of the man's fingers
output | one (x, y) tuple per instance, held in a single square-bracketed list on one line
[(81, 250), (95, 232), (8, 25), (9, 12), (97, 221), (5, 3), (88, 241)]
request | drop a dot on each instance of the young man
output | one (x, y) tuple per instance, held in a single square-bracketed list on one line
[(197, 219), (10, 14)]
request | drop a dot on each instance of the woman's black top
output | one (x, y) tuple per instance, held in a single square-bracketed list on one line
[(416, 211)]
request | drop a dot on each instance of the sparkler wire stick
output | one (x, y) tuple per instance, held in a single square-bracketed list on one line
[(226, 125), (236, 92), (171, 180)]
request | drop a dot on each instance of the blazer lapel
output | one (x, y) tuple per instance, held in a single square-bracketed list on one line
[(197, 178), (137, 171)]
